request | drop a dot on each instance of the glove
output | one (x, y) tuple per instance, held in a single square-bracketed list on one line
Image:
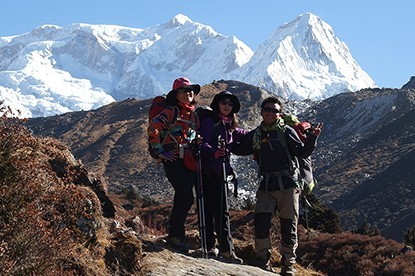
[(219, 153), (168, 156), (198, 140), (308, 188)]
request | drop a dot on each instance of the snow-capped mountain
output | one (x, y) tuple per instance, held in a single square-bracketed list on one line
[(304, 60), (180, 47), (54, 70)]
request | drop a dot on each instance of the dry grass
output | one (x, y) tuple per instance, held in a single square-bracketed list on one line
[(51, 223)]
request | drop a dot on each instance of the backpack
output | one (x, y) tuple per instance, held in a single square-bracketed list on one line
[(301, 128), (305, 165), (158, 104), (204, 112)]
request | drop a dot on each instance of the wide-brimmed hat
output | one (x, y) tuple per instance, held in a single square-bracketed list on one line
[(225, 95), (186, 84)]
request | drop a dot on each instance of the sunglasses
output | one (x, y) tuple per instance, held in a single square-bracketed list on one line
[(229, 103), (184, 90), (269, 109)]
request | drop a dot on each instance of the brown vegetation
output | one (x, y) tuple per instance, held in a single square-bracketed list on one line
[(51, 221)]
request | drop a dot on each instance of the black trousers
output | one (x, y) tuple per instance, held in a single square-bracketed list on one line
[(215, 214), (183, 180)]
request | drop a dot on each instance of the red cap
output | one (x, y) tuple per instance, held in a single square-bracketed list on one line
[(185, 83)]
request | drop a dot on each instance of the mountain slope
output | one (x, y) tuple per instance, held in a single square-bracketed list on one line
[(363, 162)]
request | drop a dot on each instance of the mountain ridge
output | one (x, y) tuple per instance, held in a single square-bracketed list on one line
[(53, 70)]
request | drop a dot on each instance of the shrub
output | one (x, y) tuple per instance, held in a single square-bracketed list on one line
[(409, 237), (366, 229), (319, 216), (356, 254), (48, 224)]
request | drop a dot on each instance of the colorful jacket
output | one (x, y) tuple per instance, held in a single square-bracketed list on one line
[(165, 132), (211, 132)]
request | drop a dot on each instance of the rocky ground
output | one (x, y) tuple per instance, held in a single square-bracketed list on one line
[(159, 260)]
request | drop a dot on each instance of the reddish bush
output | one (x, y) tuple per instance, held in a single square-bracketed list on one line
[(355, 254), (50, 224)]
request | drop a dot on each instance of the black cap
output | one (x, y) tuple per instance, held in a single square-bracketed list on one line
[(226, 95)]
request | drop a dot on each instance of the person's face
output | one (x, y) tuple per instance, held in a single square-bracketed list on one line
[(185, 96), (270, 113), (225, 106)]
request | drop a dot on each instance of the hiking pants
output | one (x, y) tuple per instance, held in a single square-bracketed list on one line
[(216, 217), (183, 181), (287, 203)]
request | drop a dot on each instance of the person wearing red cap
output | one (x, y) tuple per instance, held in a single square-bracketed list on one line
[(171, 139)]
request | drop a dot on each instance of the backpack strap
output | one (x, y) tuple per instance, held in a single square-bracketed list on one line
[(172, 124), (293, 170), (192, 122), (292, 162)]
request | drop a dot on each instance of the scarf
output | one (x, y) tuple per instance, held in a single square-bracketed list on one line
[(278, 125), (186, 108), (190, 120), (225, 119)]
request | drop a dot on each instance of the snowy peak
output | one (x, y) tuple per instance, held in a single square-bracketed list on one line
[(303, 59), (180, 20), (55, 69), (182, 47)]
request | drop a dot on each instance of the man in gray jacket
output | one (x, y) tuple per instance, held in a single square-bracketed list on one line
[(276, 148)]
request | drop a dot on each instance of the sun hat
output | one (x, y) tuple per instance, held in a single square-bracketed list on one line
[(225, 95), (186, 84)]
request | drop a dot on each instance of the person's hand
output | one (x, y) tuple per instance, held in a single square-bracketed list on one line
[(316, 131), (220, 152), (169, 155), (198, 140), (308, 188)]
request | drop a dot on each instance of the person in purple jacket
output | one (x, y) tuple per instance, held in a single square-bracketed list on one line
[(219, 132)]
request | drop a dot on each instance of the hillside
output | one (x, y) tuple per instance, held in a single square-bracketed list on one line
[(112, 140), (367, 135), (59, 219), (55, 216), (364, 159)]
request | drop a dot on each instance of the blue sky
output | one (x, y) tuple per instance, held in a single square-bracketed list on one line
[(380, 34)]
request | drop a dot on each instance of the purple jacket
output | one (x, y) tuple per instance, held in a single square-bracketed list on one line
[(211, 133)]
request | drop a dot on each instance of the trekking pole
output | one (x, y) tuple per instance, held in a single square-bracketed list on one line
[(235, 186), (224, 202), (201, 204), (306, 205)]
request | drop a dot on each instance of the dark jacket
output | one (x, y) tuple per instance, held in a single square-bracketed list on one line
[(276, 156), (211, 132)]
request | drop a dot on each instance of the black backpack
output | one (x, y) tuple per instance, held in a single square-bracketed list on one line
[(204, 112)]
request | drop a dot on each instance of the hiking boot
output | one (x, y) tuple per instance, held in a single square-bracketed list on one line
[(262, 263), (177, 244), (267, 267), (231, 257), (288, 270), (213, 252)]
